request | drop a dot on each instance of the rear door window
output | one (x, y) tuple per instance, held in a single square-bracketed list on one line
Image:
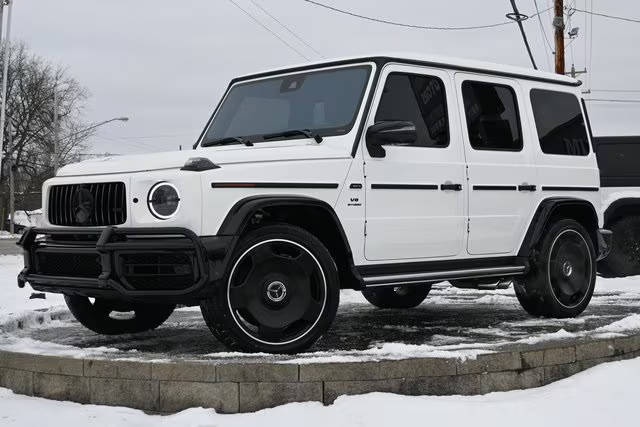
[(493, 121)]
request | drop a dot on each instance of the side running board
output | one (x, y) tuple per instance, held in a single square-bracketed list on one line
[(436, 276)]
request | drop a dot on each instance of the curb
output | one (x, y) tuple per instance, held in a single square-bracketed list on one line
[(168, 387)]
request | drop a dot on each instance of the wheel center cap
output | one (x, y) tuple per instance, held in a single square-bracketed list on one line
[(567, 268), (276, 291)]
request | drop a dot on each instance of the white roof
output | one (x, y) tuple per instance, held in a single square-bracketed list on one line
[(444, 61)]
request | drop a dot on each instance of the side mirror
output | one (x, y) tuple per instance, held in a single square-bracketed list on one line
[(389, 132)]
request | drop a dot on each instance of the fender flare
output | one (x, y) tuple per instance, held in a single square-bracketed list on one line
[(240, 214), (609, 213), (545, 211)]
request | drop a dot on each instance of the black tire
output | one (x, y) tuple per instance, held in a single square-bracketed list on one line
[(398, 296), (99, 315), (563, 274), (624, 258), (280, 295)]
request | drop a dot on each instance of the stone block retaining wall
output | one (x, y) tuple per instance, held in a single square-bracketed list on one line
[(244, 387)]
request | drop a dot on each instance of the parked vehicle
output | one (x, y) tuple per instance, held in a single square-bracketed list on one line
[(384, 174), (620, 187)]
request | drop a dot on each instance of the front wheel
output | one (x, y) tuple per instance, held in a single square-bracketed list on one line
[(563, 275), (111, 317), (397, 296), (281, 293)]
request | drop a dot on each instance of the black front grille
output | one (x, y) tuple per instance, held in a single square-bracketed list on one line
[(87, 205), (158, 271), (68, 264)]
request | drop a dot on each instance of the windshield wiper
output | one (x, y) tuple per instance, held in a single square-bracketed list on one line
[(294, 132), (228, 140)]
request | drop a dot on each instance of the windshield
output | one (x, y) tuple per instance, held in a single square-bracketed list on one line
[(324, 102)]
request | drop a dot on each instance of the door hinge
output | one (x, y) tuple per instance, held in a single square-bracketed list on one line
[(468, 225), (365, 228)]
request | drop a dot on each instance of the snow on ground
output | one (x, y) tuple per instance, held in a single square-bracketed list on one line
[(601, 396), (15, 305), (27, 218), (451, 323), (6, 235)]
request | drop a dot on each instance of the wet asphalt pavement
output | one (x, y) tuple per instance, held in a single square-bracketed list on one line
[(9, 247), (449, 318)]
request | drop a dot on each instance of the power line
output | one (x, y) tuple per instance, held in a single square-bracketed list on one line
[(544, 33), (591, 47), (254, 19), (400, 24), (290, 31), (604, 15), (617, 90), (625, 101)]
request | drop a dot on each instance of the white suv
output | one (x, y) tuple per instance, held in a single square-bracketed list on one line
[(385, 174)]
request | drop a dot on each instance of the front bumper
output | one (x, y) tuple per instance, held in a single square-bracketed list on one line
[(145, 264), (605, 239)]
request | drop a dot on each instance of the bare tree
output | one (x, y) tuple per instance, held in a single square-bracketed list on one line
[(33, 86)]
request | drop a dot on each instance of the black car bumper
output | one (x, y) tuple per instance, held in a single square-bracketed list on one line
[(145, 264), (605, 239)]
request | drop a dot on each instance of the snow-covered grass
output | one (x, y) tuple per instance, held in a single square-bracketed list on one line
[(601, 396), (15, 304)]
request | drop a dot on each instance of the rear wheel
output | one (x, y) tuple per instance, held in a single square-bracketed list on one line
[(112, 317), (562, 278), (397, 296), (281, 293), (624, 258)]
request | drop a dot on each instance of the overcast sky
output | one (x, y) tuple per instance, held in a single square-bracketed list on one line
[(166, 63)]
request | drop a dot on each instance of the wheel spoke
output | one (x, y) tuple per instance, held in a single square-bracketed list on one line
[(269, 332), (241, 295), (261, 254), (313, 311), (307, 263)]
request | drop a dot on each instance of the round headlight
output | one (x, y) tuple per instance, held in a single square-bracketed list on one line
[(163, 200)]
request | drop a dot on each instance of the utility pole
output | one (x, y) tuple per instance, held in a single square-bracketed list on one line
[(12, 188), (56, 131), (1, 15), (5, 74), (558, 23)]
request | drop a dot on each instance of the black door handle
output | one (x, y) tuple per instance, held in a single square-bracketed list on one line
[(451, 187), (526, 187)]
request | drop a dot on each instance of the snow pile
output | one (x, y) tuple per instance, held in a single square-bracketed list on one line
[(627, 324), (601, 396), (29, 345), (16, 307), (554, 336), (28, 218), (6, 235)]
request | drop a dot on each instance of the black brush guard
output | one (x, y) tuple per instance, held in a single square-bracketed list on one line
[(118, 262)]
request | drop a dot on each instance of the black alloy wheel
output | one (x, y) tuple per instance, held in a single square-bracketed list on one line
[(562, 275), (397, 296), (276, 291), (570, 268), (113, 317), (281, 292)]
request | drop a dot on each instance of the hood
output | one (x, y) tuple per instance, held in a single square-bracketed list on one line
[(261, 152)]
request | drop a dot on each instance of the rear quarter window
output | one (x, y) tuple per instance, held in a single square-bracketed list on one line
[(559, 122)]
